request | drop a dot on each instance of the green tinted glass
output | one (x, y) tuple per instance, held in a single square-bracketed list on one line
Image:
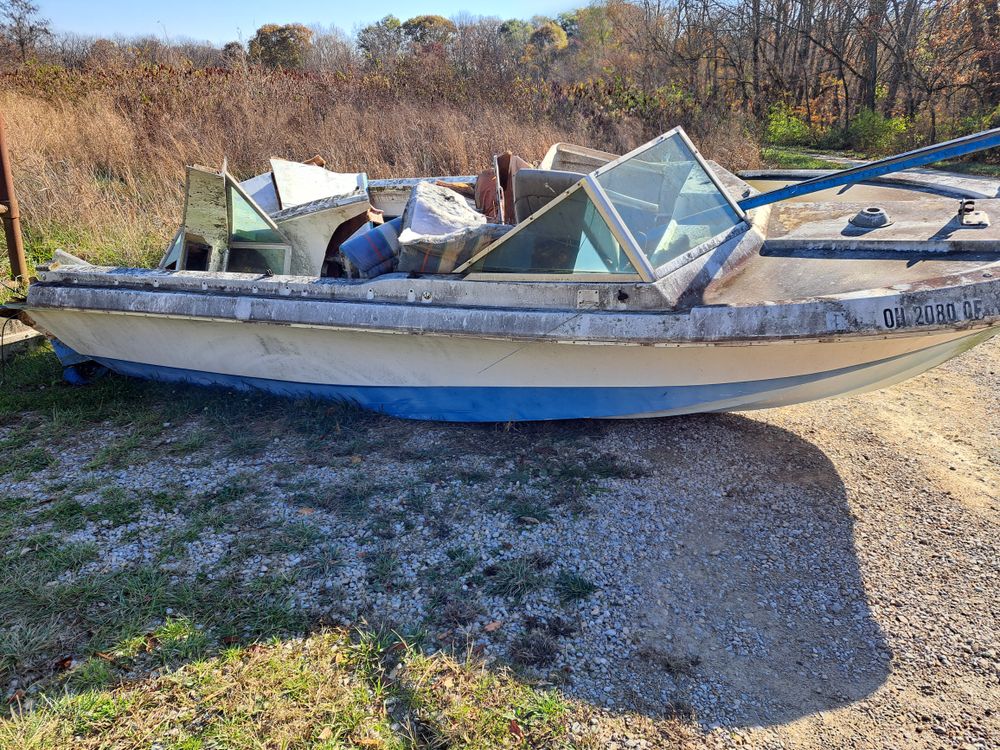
[(248, 225), (667, 200), (569, 237), (173, 255)]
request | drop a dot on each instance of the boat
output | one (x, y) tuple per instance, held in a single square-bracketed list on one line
[(589, 286)]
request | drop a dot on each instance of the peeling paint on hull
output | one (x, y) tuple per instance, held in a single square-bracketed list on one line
[(526, 403), (464, 378)]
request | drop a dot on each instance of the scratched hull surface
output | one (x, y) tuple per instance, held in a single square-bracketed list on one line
[(475, 379)]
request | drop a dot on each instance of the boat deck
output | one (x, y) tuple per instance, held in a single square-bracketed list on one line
[(813, 250)]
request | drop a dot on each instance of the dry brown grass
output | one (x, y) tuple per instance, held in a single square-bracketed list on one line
[(97, 184), (99, 160)]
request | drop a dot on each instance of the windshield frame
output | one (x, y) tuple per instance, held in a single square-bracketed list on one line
[(645, 271), (712, 242)]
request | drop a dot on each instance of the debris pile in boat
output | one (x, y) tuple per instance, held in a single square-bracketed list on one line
[(303, 219)]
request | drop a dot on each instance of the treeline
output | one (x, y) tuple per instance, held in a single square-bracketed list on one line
[(872, 75)]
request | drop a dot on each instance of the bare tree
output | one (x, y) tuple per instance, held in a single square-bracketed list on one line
[(23, 25), (331, 50)]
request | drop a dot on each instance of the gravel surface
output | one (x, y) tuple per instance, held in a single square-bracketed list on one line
[(817, 576)]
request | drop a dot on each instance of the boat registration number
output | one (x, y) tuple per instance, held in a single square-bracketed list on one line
[(933, 314)]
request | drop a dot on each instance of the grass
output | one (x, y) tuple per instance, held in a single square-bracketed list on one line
[(462, 560), (534, 648), (783, 158), (961, 166), (572, 586), (20, 464), (383, 567), (124, 450), (34, 392), (119, 653), (117, 507), (527, 509), (349, 498), (514, 578), (325, 691)]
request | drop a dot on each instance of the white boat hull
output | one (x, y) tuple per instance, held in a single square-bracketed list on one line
[(470, 378)]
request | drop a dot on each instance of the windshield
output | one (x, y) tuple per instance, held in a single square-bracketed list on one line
[(570, 237), (667, 199), (247, 224)]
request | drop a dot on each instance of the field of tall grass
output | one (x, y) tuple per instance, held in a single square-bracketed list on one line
[(99, 158)]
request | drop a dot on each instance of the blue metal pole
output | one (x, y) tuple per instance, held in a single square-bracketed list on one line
[(948, 150)]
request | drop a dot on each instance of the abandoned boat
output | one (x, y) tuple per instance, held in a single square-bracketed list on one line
[(590, 286)]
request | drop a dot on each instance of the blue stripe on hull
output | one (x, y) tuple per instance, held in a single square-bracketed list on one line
[(501, 404)]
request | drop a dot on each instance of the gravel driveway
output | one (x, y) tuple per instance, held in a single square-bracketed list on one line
[(817, 576)]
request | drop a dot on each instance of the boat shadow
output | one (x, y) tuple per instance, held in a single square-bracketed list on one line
[(752, 607)]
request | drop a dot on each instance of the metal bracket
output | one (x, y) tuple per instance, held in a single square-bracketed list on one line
[(968, 216)]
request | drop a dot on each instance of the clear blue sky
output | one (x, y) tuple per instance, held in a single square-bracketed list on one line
[(221, 22)]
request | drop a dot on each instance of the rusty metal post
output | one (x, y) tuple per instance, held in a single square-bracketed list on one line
[(9, 212)]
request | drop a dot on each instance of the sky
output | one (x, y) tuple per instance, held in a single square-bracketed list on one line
[(221, 22)]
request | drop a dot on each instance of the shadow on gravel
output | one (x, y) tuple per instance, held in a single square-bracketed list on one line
[(755, 605)]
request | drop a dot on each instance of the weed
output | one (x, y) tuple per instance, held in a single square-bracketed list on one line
[(534, 648), (462, 560), (292, 537), (193, 442), (16, 440), (174, 542), (168, 500), (246, 445), (57, 559), (458, 609), (324, 561), (573, 586), (527, 509), (472, 475), (65, 515), (513, 578), (12, 504), (116, 507), (234, 489), (92, 713), (350, 501), (20, 464), (383, 566), (94, 673), (123, 451), (178, 638), (86, 486), (284, 471), (672, 662), (23, 644), (609, 466), (557, 627)]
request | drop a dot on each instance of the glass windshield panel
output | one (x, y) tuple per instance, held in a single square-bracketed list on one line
[(570, 237), (248, 225), (667, 200), (173, 255)]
